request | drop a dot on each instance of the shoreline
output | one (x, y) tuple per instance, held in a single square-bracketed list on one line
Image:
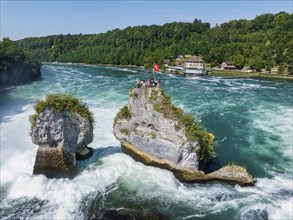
[(86, 64), (218, 74), (11, 87), (252, 75)]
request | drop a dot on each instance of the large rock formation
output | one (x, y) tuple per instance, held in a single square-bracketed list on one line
[(155, 132), (62, 136)]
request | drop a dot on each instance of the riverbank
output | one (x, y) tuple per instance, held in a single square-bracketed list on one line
[(85, 64), (237, 74), (213, 73), (7, 88), (10, 87)]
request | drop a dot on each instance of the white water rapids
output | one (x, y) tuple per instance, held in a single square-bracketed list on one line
[(251, 119)]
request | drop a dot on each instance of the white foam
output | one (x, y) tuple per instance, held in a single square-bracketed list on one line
[(278, 123), (172, 75), (283, 210)]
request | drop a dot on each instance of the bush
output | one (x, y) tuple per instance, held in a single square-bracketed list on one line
[(124, 113), (62, 102), (153, 135), (125, 131), (281, 69), (133, 94)]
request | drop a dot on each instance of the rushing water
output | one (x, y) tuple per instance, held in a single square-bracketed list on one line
[(251, 119)]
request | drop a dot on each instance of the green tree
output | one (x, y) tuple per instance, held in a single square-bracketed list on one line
[(281, 69), (239, 60), (263, 42), (17, 65), (290, 68)]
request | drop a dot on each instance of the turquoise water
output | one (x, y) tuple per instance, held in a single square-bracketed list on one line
[(251, 119)]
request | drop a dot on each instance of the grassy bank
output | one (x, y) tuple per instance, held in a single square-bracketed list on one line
[(229, 73), (276, 76)]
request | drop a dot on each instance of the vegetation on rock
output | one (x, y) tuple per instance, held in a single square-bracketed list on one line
[(17, 65), (193, 131), (125, 131), (153, 135), (124, 113), (62, 102)]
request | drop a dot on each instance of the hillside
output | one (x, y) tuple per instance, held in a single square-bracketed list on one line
[(263, 42)]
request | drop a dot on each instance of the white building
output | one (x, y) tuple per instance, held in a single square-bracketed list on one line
[(194, 66)]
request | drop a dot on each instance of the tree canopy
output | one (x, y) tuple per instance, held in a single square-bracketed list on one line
[(263, 42)]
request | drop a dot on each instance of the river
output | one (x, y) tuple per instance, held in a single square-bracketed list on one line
[(251, 119)]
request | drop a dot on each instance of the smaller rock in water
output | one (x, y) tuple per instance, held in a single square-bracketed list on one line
[(84, 154), (62, 137)]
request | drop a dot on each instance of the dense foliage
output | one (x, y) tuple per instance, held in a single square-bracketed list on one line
[(263, 42), (193, 131), (62, 102), (17, 65)]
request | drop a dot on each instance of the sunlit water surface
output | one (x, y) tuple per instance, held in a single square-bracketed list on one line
[(251, 119)]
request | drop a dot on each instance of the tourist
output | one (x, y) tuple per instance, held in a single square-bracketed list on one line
[(142, 84), (155, 82), (138, 83), (150, 83)]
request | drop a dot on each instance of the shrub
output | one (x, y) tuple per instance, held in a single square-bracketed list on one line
[(133, 94), (124, 113), (153, 135), (33, 119), (62, 102), (125, 131), (154, 95)]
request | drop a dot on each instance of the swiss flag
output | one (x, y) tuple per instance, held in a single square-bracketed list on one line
[(156, 67)]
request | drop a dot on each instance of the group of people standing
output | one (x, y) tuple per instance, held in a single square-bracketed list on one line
[(150, 83)]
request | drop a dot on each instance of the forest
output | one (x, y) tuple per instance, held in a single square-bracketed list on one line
[(17, 65), (261, 43)]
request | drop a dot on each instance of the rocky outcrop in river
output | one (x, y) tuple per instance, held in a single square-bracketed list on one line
[(62, 135), (155, 132)]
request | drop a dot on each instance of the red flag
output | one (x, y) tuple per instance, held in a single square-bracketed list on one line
[(156, 67)]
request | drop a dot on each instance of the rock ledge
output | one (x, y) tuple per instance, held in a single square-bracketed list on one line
[(232, 174)]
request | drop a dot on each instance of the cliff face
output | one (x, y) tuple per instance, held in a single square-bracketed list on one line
[(157, 133)]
